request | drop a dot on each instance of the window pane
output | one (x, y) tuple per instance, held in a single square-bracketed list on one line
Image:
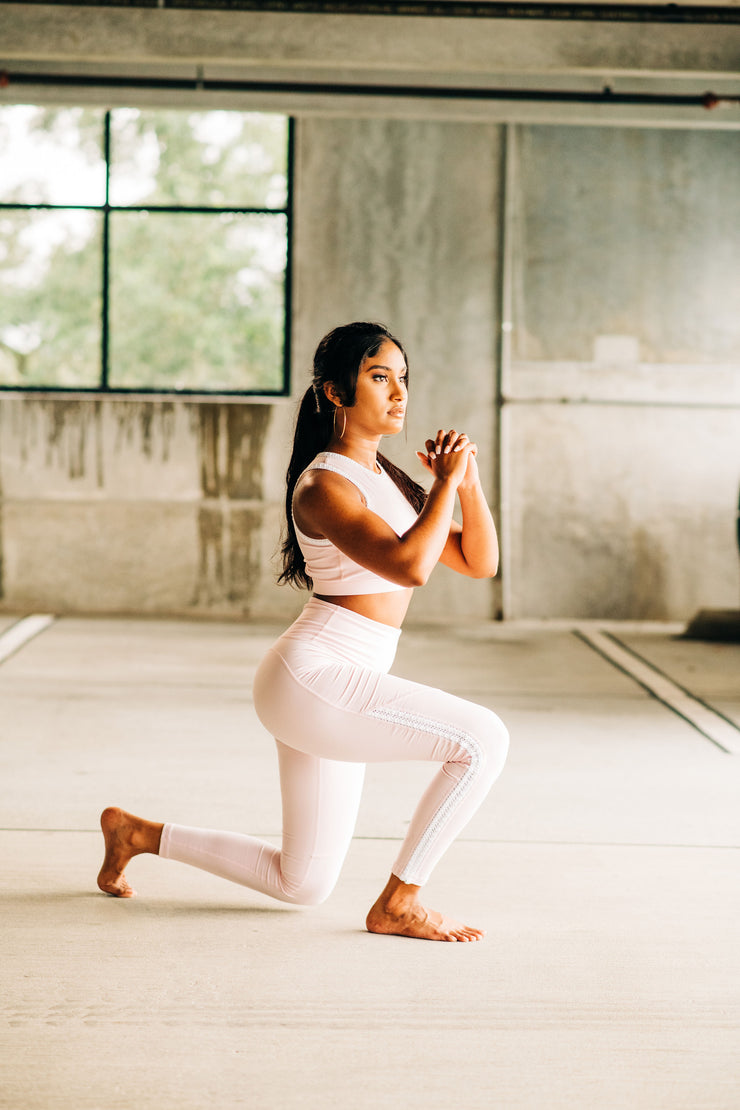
[(50, 304), (197, 302), (51, 155), (203, 159)]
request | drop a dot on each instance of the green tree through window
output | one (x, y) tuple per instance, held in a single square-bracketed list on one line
[(143, 250)]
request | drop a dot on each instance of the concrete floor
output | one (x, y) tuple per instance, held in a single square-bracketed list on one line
[(604, 866)]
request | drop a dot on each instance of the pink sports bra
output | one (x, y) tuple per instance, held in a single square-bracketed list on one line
[(332, 571)]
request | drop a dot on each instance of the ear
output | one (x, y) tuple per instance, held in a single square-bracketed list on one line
[(331, 392)]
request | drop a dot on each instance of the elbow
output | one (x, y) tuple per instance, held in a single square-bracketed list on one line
[(489, 570), (487, 564), (413, 577)]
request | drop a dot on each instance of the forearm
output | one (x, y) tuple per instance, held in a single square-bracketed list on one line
[(478, 539), (424, 542)]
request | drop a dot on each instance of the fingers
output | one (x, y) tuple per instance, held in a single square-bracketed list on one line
[(447, 443)]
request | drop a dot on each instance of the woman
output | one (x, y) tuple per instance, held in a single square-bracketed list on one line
[(362, 534)]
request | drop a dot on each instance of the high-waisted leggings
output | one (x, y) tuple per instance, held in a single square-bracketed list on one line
[(324, 692)]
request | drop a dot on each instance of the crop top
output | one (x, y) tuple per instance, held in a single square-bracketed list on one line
[(332, 571)]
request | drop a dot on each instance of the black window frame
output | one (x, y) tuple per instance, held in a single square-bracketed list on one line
[(104, 388)]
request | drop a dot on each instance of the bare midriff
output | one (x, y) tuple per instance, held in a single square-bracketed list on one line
[(387, 608)]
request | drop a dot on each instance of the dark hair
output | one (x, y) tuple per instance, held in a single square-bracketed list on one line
[(338, 358)]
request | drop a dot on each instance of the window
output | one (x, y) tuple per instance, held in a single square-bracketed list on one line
[(144, 250)]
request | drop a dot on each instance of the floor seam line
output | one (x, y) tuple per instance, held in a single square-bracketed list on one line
[(22, 632), (610, 649)]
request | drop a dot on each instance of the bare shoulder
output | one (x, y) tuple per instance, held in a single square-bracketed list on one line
[(323, 494), (317, 485)]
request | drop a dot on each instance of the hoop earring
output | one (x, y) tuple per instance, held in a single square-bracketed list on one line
[(344, 425)]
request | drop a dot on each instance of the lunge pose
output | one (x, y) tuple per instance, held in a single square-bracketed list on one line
[(361, 534)]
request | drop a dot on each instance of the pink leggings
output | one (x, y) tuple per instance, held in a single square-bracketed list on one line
[(323, 690)]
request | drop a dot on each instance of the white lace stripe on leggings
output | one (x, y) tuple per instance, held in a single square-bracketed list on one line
[(332, 713), (414, 865)]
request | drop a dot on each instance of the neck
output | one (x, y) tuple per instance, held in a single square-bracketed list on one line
[(362, 449)]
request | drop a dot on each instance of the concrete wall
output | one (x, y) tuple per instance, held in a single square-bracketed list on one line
[(586, 276), (622, 373), (137, 506)]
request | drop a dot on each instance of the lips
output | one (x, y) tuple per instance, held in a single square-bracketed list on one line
[(397, 412)]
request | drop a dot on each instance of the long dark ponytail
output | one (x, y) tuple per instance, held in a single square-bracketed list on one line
[(338, 358)]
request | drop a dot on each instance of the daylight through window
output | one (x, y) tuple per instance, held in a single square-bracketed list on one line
[(144, 250)]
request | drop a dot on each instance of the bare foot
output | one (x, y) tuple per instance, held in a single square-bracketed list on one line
[(125, 836), (398, 912)]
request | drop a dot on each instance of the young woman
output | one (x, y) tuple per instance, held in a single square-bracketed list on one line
[(361, 534)]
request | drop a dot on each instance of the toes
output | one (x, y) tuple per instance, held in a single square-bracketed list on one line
[(123, 888), (124, 891), (467, 934), (117, 888)]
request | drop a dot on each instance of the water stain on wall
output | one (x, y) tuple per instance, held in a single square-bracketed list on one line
[(69, 436), (211, 584), (232, 442), (229, 556), (646, 586), (244, 555), (154, 421), (65, 436), (232, 445)]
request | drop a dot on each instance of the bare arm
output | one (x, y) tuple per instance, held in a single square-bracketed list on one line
[(327, 505), (472, 549)]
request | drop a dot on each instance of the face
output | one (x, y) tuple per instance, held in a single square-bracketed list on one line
[(380, 400)]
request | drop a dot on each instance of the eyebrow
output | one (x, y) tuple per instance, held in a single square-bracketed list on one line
[(379, 366)]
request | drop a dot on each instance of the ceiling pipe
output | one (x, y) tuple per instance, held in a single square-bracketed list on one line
[(446, 9), (707, 100)]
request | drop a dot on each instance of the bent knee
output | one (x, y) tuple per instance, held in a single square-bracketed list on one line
[(312, 896), (492, 742), (312, 891)]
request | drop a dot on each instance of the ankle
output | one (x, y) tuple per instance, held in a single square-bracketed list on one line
[(398, 896), (145, 837)]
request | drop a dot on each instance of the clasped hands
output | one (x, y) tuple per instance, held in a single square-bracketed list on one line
[(451, 456)]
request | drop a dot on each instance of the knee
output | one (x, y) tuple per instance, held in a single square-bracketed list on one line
[(492, 742), (312, 891), (313, 895)]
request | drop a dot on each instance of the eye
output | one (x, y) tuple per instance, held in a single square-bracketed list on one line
[(380, 377)]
